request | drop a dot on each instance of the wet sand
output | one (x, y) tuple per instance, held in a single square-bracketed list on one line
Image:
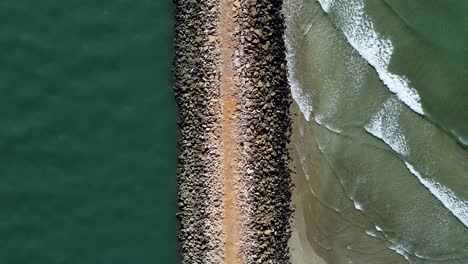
[(230, 82), (301, 244)]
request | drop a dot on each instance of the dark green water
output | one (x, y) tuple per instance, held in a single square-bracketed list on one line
[(435, 35), (87, 132)]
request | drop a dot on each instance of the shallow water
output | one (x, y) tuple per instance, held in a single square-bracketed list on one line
[(87, 132), (378, 140)]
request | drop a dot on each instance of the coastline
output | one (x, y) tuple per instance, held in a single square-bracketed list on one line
[(302, 249), (230, 83)]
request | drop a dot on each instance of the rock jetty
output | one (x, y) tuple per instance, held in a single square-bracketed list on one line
[(230, 83)]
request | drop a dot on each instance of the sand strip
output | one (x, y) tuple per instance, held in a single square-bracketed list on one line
[(229, 135)]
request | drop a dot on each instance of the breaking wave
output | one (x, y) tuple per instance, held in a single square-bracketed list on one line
[(384, 125), (374, 48), (292, 40), (457, 207)]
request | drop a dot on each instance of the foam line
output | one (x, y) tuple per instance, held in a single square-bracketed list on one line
[(384, 125), (455, 205), (374, 48)]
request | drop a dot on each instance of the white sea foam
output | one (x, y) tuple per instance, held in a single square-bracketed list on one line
[(371, 233), (400, 250), (384, 125), (398, 247), (320, 121), (327, 5), (374, 48), (303, 100), (334, 129), (358, 206), (458, 207), (463, 140)]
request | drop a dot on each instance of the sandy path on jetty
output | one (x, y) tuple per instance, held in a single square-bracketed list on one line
[(229, 134)]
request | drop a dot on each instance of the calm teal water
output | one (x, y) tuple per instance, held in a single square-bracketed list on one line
[(87, 132), (381, 85)]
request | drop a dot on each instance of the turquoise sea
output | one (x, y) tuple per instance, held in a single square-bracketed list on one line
[(381, 131), (87, 132)]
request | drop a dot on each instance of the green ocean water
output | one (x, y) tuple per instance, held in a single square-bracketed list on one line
[(381, 85), (87, 132), (434, 34)]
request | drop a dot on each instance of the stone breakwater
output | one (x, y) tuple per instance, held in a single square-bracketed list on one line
[(265, 121), (230, 82), (196, 84)]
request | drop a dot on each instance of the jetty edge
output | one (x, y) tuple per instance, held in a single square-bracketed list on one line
[(233, 177)]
